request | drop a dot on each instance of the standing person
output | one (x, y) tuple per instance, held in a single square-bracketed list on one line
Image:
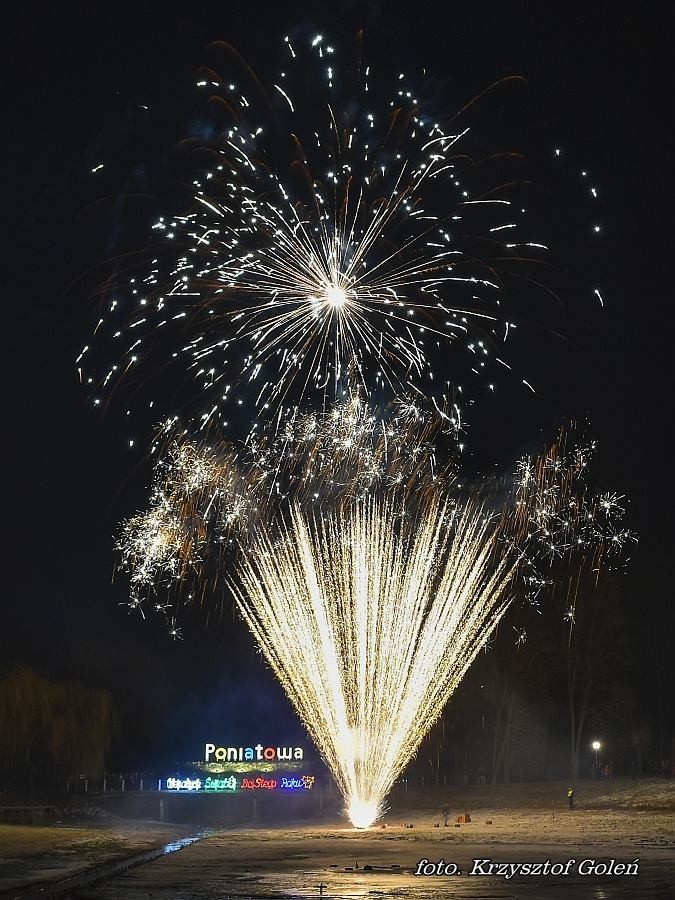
[(570, 797)]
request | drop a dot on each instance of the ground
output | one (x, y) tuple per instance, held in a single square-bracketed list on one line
[(46, 852), (624, 821)]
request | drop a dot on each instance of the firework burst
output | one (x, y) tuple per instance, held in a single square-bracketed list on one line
[(206, 495), (208, 498), (340, 249), (372, 633), (340, 235), (368, 576)]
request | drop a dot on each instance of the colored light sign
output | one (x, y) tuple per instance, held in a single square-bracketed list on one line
[(303, 783), (257, 753), (221, 784), (183, 784), (259, 784), (231, 783)]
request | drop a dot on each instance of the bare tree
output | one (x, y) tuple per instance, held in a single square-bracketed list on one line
[(594, 651), (513, 687)]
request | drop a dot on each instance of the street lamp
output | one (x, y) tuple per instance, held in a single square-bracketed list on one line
[(596, 746)]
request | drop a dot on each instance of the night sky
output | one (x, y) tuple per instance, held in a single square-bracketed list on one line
[(599, 85)]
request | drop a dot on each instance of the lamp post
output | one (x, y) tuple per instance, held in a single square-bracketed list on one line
[(596, 746)]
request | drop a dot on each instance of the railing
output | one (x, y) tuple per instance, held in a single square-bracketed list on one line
[(113, 783)]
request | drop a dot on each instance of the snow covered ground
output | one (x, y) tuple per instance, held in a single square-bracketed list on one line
[(623, 820)]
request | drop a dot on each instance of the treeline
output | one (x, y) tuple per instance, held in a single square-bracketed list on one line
[(588, 664), (50, 730)]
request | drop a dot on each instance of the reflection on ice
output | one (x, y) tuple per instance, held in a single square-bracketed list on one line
[(181, 843)]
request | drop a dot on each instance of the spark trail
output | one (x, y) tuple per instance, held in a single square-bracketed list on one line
[(368, 576), (371, 619), (340, 234)]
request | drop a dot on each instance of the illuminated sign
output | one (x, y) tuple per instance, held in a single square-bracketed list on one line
[(257, 753), (229, 784), (183, 784), (256, 784), (303, 783), (221, 784)]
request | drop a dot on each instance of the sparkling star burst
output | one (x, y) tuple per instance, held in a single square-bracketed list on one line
[(340, 234)]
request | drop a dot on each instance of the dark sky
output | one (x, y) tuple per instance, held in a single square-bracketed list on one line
[(599, 84)]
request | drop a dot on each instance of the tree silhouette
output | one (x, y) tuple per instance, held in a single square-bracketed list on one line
[(594, 651), (51, 729)]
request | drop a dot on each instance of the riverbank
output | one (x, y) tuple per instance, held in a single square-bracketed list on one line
[(510, 824), (32, 853)]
